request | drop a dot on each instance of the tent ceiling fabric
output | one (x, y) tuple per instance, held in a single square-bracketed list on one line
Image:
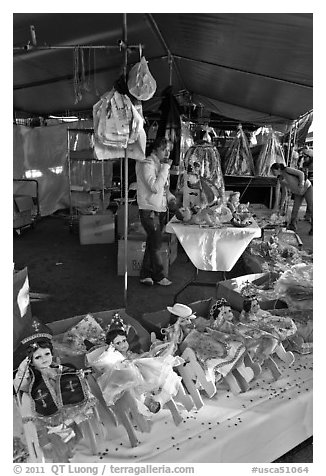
[(252, 67)]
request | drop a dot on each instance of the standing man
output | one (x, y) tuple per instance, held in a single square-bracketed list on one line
[(295, 181), (153, 198)]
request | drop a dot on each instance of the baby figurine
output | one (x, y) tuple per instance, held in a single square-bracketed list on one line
[(151, 380), (233, 202), (63, 404), (250, 309), (219, 349), (280, 327)]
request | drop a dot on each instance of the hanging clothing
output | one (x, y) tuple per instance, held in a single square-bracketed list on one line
[(118, 126)]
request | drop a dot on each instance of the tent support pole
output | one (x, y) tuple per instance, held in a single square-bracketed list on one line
[(125, 61)]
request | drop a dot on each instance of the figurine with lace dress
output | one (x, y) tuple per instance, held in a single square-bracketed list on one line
[(151, 379), (219, 356), (280, 327)]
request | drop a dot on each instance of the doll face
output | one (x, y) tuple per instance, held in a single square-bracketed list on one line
[(226, 313), (235, 198), (120, 343), (254, 306), (42, 358)]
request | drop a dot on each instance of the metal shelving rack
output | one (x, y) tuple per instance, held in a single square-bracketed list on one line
[(93, 193)]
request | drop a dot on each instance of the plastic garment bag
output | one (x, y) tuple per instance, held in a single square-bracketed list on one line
[(141, 83)]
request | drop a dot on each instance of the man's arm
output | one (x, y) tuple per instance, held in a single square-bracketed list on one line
[(280, 196), (283, 196), (155, 183)]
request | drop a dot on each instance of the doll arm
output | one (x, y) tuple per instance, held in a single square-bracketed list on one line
[(218, 334), (22, 377)]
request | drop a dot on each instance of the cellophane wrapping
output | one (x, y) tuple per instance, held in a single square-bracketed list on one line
[(270, 153), (238, 157)]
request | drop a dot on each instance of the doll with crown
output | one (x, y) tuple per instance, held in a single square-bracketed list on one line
[(280, 327), (61, 403), (213, 355), (150, 379)]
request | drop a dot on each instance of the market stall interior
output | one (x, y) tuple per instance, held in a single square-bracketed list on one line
[(89, 102)]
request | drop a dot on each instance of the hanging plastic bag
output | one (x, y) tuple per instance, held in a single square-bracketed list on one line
[(141, 83)]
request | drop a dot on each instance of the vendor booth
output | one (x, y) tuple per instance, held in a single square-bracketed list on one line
[(167, 388)]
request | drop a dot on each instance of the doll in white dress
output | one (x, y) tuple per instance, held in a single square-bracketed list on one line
[(151, 380)]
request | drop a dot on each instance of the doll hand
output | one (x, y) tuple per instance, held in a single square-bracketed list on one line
[(153, 337)]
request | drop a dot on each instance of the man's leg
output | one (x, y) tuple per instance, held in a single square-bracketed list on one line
[(309, 199), (146, 268), (295, 210), (152, 265)]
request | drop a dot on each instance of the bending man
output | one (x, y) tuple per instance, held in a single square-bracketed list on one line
[(295, 181)]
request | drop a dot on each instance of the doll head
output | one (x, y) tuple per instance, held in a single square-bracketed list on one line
[(251, 304), (235, 198), (40, 353), (221, 312), (118, 339), (243, 207), (117, 334), (180, 312)]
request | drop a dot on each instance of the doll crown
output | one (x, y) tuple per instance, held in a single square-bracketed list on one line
[(221, 302), (117, 323), (214, 310), (248, 290)]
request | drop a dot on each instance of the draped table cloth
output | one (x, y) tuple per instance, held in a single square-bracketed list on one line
[(213, 249), (257, 426)]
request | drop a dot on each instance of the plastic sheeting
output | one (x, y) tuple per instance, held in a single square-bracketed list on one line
[(41, 153)]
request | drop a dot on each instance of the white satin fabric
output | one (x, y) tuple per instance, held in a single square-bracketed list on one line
[(213, 249), (257, 426)]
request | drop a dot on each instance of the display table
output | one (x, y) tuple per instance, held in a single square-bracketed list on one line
[(213, 249), (243, 182), (257, 426)]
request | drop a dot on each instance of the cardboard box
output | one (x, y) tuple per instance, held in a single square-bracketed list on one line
[(230, 290), (135, 254), (133, 216), (155, 321), (97, 228), (104, 317)]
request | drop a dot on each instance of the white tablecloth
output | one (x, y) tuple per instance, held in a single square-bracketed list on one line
[(213, 249), (257, 426)]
